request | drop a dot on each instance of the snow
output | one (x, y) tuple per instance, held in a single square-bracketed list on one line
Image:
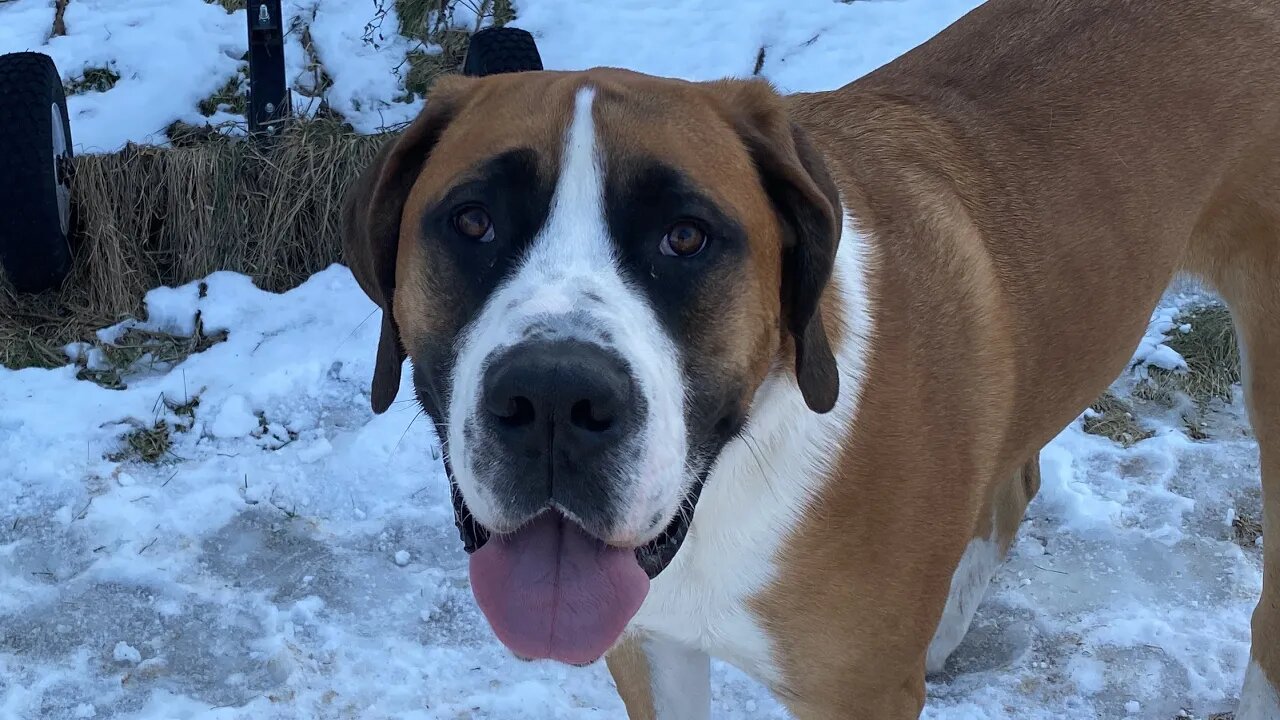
[(125, 653), (234, 419), (808, 44), (141, 41), (366, 73), (294, 556), (24, 24), (171, 54)]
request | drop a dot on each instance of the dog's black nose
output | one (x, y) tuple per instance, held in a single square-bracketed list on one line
[(563, 397), (561, 421)]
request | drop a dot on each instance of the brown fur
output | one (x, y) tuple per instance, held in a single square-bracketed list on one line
[(630, 669), (1076, 150), (1237, 248), (738, 323)]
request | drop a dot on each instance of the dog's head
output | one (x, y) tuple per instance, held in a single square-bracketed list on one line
[(592, 274)]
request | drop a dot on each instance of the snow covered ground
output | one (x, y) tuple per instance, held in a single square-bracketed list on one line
[(292, 556)]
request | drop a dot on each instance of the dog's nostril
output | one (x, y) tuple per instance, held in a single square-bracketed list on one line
[(589, 417), (518, 412)]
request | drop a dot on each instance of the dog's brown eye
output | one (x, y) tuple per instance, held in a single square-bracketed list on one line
[(474, 223), (684, 240)]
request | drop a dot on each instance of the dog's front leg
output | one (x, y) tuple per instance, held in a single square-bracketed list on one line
[(660, 679)]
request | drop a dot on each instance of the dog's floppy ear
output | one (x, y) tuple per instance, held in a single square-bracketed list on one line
[(807, 202), (371, 215)]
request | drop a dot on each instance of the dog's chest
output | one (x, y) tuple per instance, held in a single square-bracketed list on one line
[(702, 600), (752, 502)]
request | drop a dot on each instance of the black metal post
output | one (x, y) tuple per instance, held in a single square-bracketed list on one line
[(268, 96)]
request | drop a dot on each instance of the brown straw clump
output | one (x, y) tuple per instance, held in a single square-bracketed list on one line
[(149, 216)]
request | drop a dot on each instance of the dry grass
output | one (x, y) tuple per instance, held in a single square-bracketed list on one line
[(1156, 389), (154, 443), (148, 444), (96, 79), (148, 216), (435, 24), (34, 330), (423, 19), (229, 5), (318, 82), (1213, 368), (232, 96), (423, 68), (1113, 418), (1247, 529), (1211, 352), (138, 349)]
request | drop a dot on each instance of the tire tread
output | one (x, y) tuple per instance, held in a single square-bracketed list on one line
[(34, 252)]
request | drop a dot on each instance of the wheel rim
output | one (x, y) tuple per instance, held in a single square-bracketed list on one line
[(62, 187)]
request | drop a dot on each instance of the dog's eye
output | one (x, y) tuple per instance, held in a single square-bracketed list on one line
[(684, 239), (473, 222)]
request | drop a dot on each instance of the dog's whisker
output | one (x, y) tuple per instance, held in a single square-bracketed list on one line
[(405, 433)]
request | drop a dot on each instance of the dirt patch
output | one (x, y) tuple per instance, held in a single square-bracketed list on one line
[(59, 18)]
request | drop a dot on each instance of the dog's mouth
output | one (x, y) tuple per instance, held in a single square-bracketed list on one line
[(653, 557), (552, 591)]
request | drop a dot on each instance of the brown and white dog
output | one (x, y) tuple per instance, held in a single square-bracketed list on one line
[(627, 297)]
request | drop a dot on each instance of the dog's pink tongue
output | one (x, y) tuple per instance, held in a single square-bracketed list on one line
[(550, 591)]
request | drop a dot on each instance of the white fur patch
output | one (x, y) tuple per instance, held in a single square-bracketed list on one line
[(969, 584), (757, 495), (569, 278), (1259, 700), (681, 678)]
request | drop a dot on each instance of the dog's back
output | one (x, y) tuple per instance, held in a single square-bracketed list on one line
[(1090, 146), (1031, 179)]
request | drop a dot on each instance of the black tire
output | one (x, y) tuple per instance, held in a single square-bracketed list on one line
[(495, 50), (35, 165)]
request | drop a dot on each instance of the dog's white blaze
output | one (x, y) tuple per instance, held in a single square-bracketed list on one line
[(569, 278), (681, 680), (1259, 700), (969, 584), (758, 494)]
